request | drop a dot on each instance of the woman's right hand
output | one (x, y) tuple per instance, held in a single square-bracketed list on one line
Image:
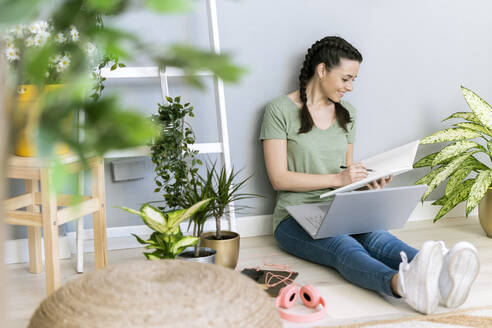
[(354, 172)]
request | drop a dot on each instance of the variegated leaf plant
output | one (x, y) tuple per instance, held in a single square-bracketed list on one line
[(167, 241), (456, 161)]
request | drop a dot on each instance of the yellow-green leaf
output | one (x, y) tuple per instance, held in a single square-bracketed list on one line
[(469, 116), (425, 161), (459, 195), (482, 183), (444, 174), (183, 243), (154, 218), (175, 218), (478, 106), (456, 179), (453, 151), (475, 127), (426, 179), (452, 134)]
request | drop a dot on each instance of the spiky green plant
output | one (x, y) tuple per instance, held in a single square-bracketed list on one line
[(167, 241), (457, 161)]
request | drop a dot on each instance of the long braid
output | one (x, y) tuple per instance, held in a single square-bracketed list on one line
[(329, 51)]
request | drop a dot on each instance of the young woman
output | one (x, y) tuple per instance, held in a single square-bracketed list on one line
[(307, 136)]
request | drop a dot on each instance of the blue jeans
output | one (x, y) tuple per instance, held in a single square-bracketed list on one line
[(368, 260)]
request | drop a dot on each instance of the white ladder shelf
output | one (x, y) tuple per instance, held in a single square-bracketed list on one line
[(163, 74)]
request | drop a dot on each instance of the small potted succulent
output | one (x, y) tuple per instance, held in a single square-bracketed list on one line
[(167, 241), (468, 179)]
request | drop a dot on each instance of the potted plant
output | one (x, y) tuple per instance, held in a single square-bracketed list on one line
[(167, 241), (66, 50), (175, 162), (469, 178), (225, 191), (176, 168)]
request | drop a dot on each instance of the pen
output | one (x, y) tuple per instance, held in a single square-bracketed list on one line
[(344, 167)]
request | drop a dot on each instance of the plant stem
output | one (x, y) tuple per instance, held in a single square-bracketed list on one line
[(217, 227), (196, 252)]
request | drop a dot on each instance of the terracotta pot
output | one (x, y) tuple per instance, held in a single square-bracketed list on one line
[(227, 248), (485, 213), (25, 144)]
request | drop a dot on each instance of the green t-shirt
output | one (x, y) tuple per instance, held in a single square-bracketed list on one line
[(316, 152)]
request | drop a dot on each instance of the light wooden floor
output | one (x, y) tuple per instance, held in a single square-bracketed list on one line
[(345, 302)]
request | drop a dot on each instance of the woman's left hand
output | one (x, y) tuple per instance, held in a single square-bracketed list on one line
[(379, 184)]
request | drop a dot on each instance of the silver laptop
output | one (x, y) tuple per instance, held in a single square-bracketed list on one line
[(358, 211)]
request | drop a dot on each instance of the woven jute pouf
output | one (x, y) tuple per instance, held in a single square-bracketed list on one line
[(165, 293)]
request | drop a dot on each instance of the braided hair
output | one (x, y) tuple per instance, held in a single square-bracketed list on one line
[(329, 51)]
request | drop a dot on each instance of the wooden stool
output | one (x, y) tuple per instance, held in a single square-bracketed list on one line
[(32, 170)]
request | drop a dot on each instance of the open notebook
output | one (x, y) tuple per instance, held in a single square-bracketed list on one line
[(393, 162)]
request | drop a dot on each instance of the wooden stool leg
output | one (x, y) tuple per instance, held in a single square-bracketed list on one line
[(34, 233), (98, 191), (80, 229), (50, 231)]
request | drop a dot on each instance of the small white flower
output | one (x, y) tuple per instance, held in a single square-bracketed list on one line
[(42, 25), (90, 48), (21, 90), (34, 28), (18, 31), (60, 38), (12, 53), (74, 33), (41, 38), (55, 59), (30, 42), (63, 63)]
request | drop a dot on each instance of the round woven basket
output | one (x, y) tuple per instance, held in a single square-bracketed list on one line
[(165, 293)]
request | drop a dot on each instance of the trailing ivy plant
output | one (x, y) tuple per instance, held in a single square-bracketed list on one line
[(457, 160), (176, 165)]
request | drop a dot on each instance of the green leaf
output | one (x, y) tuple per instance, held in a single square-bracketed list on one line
[(452, 134), (444, 174), (175, 218), (454, 150), (478, 106), (426, 179), (103, 5), (469, 116), (130, 210), (143, 242), (482, 183), (475, 127), (151, 256), (154, 218), (455, 198), (183, 243), (441, 201), (455, 180), (475, 164), (170, 6), (425, 161)]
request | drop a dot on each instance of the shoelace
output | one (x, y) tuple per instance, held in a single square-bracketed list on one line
[(404, 267)]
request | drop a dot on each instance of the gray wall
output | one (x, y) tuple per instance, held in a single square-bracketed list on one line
[(416, 55)]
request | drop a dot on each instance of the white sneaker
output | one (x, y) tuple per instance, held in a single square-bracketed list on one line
[(418, 281), (459, 270)]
